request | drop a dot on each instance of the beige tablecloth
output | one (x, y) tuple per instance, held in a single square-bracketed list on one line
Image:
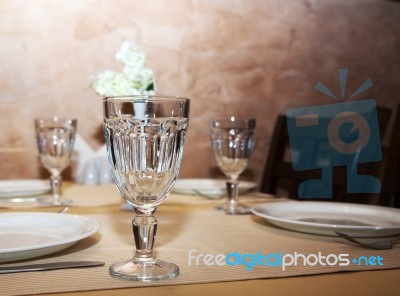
[(183, 230)]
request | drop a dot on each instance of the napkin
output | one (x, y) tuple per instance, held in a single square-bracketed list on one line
[(91, 166)]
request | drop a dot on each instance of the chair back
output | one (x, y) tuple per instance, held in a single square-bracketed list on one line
[(281, 179)]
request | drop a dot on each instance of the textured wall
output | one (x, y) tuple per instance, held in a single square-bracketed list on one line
[(246, 57)]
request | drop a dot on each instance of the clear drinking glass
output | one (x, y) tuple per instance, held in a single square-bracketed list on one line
[(145, 136), (232, 141), (55, 139)]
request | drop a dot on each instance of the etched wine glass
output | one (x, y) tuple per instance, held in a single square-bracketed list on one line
[(145, 137), (232, 141), (55, 139)]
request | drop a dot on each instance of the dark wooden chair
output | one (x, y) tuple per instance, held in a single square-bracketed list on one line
[(279, 178), (390, 193)]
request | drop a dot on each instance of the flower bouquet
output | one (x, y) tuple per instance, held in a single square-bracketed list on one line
[(135, 79)]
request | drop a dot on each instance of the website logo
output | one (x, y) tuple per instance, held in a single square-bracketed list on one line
[(339, 134), (280, 260)]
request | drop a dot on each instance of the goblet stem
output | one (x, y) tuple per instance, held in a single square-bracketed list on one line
[(55, 185), (55, 199), (232, 188), (144, 266), (144, 230), (233, 207)]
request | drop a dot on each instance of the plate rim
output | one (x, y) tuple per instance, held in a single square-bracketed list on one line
[(250, 184), (42, 186), (94, 227), (327, 226)]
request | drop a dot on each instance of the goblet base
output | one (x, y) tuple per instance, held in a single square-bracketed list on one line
[(54, 201), (145, 271), (237, 209)]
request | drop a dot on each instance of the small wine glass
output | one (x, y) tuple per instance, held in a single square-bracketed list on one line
[(55, 139), (145, 136), (232, 141)]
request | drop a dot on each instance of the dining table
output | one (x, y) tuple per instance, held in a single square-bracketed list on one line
[(191, 233)]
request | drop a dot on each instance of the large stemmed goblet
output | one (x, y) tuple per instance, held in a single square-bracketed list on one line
[(145, 136), (55, 139), (232, 141)]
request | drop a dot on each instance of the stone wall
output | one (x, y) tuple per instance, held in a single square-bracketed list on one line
[(245, 57)]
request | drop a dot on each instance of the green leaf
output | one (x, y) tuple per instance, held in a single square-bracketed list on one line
[(150, 86)]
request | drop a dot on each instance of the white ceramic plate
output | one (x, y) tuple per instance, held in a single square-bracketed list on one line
[(327, 217), (22, 188), (25, 235), (210, 187)]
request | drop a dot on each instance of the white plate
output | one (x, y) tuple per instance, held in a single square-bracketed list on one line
[(327, 217), (210, 187), (27, 235), (21, 188)]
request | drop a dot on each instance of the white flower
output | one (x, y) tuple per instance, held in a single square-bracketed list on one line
[(130, 56), (134, 80)]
